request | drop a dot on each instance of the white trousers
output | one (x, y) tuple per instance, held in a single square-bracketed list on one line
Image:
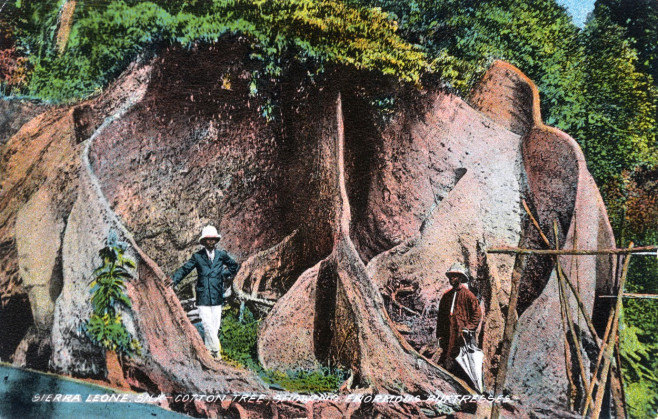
[(211, 319)]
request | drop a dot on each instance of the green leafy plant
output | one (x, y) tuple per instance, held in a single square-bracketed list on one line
[(108, 288), (639, 354), (110, 333), (300, 380), (239, 337), (105, 326)]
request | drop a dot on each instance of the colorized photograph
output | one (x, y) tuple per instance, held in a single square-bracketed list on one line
[(329, 209)]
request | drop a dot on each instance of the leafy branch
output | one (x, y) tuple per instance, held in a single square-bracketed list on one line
[(106, 37), (105, 326)]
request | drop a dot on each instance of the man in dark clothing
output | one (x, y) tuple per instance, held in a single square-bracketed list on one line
[(458, 316), (215, 271)]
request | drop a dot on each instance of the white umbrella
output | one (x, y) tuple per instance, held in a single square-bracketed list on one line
[(471, 358)]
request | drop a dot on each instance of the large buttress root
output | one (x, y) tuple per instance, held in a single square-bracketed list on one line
[(173, 357), (559, 189), (267, 275), (350, 325)]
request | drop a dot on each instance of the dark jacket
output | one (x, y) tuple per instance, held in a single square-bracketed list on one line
[(466, 315), (211, 278)]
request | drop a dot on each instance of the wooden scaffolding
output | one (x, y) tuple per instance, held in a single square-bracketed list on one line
[(607, 346)]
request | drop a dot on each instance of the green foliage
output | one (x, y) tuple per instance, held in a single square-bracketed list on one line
[(636, 354), (639, 353), (465, 36), (108, 288), (639, 336), (639, 18), (620, 105), (239, 338), (105, 327), (315, 381), (239, 346), (536, 36), (110, 333), (106, 37)]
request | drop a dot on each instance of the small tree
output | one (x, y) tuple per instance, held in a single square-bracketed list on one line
[(105, 326)]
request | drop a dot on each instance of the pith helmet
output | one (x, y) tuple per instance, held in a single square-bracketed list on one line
[(458, 268), (209, 232)]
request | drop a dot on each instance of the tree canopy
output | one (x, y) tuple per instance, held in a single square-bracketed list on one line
[(104, 37)]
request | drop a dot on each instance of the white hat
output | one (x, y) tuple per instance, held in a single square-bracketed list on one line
[(209, 232), (459, 269)]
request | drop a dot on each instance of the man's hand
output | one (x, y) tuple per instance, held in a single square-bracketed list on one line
[(469, 336)]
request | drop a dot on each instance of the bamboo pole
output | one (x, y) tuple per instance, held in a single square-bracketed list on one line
[(581, 307), (565, 327), (567, 350), (567, 311), (609, 349), (604, 344), (522, 251), (562, 278), (536, 224), (632, 295), (576, 293), (598, 403), (620, 376), (508, 333), (575, 269)]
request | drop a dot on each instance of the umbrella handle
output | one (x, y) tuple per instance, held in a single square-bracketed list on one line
[(471, 341)]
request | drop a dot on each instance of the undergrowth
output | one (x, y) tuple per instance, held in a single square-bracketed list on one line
[(239, 336)]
